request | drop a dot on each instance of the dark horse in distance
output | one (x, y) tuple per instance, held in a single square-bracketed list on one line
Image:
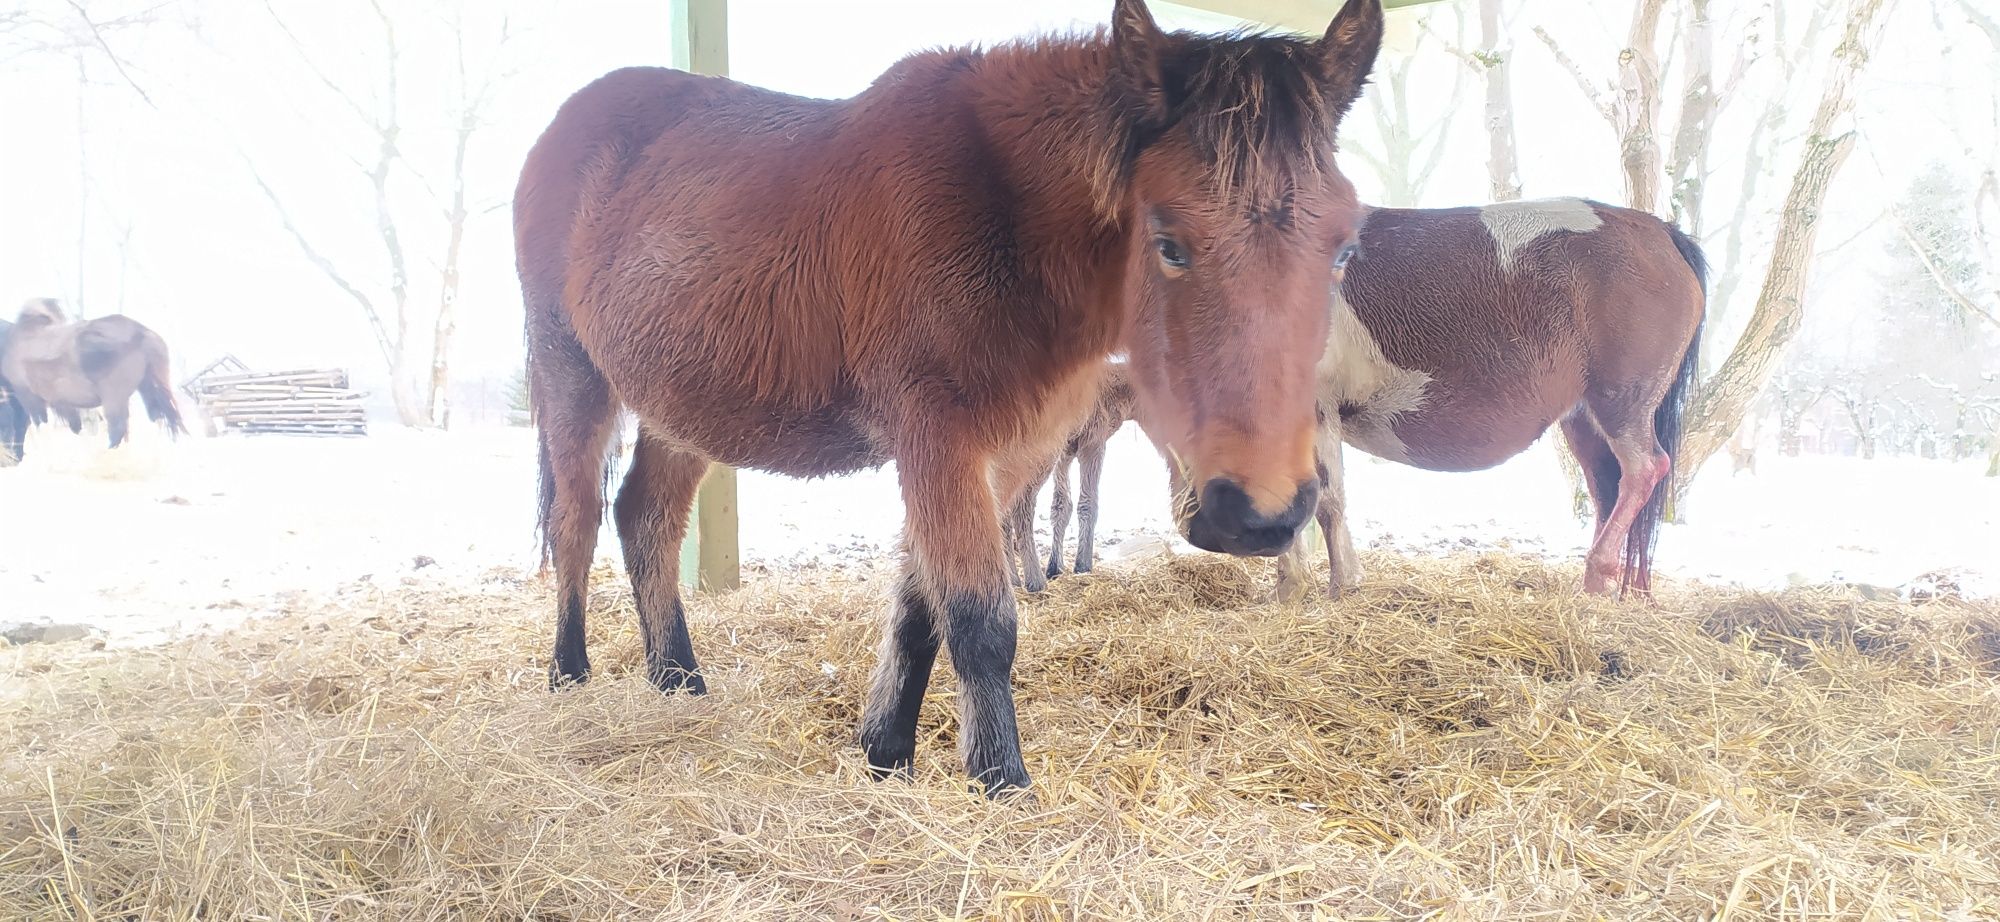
[(53, 366), (934, 272), (13, 416)]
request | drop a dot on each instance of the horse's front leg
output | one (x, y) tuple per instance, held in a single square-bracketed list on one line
[(1342, 563), (957, 581)]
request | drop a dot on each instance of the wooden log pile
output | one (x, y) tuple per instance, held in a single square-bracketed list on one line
[(313, 401)]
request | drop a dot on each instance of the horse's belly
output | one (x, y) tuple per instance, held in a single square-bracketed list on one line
[(1456, 437)]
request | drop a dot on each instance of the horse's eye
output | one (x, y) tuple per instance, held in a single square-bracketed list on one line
[(1346, 253), (1172, 255)]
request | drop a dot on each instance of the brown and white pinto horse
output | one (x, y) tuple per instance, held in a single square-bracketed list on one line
[(51, 365), (1460, 334), (934, 272)]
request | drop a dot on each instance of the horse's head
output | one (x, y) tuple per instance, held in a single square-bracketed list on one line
[(1238, 211), (39, 312)]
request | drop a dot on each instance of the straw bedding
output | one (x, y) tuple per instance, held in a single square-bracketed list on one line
[(1463, 739)]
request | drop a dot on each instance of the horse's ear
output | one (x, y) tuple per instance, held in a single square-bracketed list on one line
[(1137, 49), (1347, 52)]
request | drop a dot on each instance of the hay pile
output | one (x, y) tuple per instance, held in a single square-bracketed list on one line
[(1463, 740)]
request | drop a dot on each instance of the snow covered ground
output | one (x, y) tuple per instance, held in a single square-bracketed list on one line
[(163, 538)]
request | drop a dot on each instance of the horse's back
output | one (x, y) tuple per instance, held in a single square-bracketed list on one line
[(672, 227)]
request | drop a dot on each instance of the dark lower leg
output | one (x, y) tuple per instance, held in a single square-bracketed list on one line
[(119, 423), (572, 536), (902, 674), (980, 632), (652, 515)]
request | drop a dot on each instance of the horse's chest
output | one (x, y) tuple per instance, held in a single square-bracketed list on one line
[(1369, 392)]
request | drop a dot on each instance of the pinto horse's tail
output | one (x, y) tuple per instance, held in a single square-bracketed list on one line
[(1639, 543), (156, 389)]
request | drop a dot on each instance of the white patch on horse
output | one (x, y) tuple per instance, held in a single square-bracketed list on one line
[(1514, 225), (1354, 373)]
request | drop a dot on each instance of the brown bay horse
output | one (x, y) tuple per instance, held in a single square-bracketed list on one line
[(934, 272), (52, 365), (1460, 334), (1085, 448)]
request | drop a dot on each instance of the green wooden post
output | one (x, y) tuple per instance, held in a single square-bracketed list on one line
[(709, 554)]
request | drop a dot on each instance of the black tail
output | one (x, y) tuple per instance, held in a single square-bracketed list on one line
[(1645, 532), (156, 390)]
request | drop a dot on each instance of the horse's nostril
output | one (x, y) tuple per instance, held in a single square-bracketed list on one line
[(1228, 522)]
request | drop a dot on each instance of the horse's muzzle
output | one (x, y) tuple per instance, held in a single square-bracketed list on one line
[(1227, 522)]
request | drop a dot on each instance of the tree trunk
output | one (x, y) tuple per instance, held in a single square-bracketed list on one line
[(1503, 170), (1688, 166), (1638, 109), (1718, 405), (1993, 463), (80, 308)]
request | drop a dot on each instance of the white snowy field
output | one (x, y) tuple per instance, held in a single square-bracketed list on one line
[(163, 538)]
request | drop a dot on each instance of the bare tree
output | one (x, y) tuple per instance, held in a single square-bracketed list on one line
[(1409, 153), (414, 337), (89, 33), (1631, 103), (1718, 403)]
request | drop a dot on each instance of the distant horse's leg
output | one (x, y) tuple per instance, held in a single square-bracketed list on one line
[(1090, 471), (1641, 466), (652, 515), (1292, 569), (575, 413), (72, 417), (1021, 537), (118, 419), (954, 539), (1343, 565), (1059, 509)]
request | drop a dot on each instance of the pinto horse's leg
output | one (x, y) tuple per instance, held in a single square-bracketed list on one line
[(960, 588), (1641, 465), (1343, 565), (1059, 509), (652, 515), (1600, 466), (1090, 472)]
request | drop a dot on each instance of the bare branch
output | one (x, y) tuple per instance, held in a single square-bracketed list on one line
[(360, 111), (1590, 90), (324, 264), (117, 63), (1936, 272)]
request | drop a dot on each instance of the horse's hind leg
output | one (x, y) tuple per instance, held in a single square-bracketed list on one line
[(652, 515), (118, 419), (1600, 466), (575, 414), (1628, 436)]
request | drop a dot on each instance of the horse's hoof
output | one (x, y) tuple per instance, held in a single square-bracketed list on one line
[(1085, 567), (1009, 784), (672, 679), (1036, 585), (561, 677), (1054, 571)]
